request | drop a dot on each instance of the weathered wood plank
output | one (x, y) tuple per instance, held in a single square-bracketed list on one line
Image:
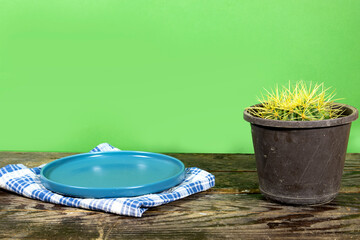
[(234, 173), (225, 211), (206, 161), (30, 159), (199, 216), (215, 162)]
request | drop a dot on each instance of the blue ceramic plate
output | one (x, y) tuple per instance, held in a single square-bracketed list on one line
[(112, 174)]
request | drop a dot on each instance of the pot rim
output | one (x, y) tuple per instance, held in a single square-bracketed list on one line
[(304, 124)]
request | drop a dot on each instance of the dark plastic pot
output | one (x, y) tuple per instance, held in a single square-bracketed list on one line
[(301, 162)]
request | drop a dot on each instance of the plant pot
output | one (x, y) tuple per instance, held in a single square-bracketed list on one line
[(301, 162)]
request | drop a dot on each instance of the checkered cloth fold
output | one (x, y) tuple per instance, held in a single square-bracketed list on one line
[(26, 182)]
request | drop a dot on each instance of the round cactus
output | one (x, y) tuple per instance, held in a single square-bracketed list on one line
[(299, 102)]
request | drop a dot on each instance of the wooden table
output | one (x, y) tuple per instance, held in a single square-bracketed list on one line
[(234, 208)]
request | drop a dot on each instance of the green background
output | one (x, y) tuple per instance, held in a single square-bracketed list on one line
[(160, 75)]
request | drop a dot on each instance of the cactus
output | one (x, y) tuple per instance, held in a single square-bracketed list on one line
[(299, 102)]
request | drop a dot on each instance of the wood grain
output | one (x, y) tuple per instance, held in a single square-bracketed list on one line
[(232, 209)]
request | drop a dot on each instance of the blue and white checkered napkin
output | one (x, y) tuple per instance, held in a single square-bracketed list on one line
[(26, 181)]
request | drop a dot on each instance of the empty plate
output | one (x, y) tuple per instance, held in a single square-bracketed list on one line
[(112, 174)]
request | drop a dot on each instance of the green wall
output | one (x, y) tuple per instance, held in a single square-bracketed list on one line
[(160, 75)]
